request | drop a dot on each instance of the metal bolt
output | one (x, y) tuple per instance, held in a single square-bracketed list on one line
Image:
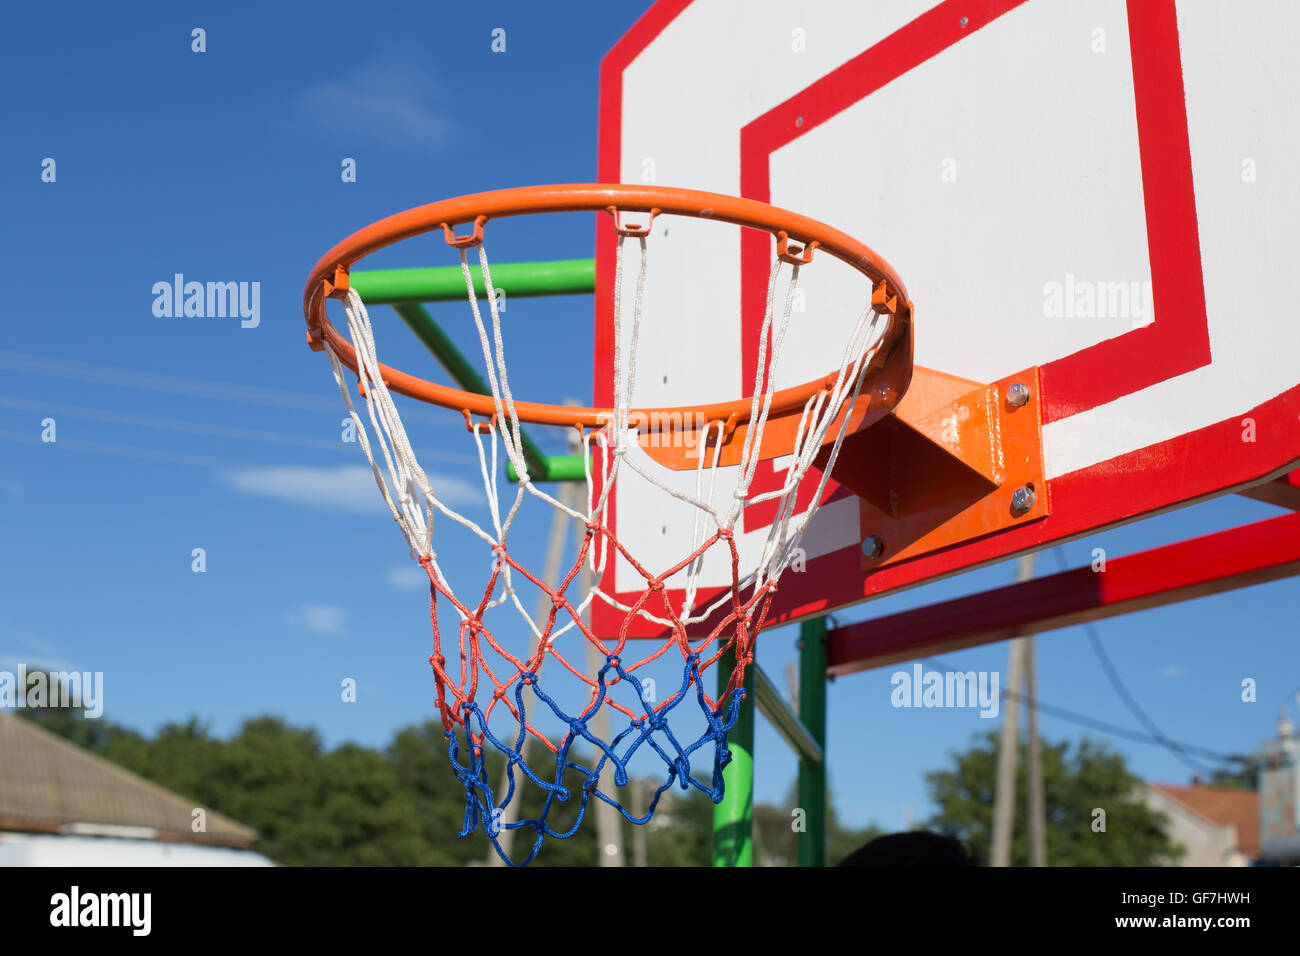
[(964, 21), (1022, 499), (1017, 394), (872, 546)]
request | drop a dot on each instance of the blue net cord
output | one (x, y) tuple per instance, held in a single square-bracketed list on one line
[(651, 733)]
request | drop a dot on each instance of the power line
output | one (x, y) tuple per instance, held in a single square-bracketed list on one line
[(42, 407), (225, 392), (1103, 726), (156, 382), (1116, 682)]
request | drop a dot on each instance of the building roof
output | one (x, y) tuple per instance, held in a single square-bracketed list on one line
[(51, 786), (1223, 805)]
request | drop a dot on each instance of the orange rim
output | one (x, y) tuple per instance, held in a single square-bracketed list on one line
[(797, 238)]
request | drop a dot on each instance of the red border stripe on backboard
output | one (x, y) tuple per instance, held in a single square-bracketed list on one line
[(1176, 343)]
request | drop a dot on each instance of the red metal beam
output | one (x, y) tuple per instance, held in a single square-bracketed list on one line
[(1237, 558), (1283, 492)]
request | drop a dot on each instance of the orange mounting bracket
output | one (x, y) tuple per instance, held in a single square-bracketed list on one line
[(631, 230), (954, 460), (465, 242), (792, 252), (337, 287)]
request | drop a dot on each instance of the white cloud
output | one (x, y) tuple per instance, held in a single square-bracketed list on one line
[(387, 103), (1171, 671), (323, 618), (408, 578), (349, 487)]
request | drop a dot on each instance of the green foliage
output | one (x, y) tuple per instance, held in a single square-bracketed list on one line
[(94, 735), (351, 806), (1246, 778), (399, 806), (841, 842), (1076, 781), (681, 831), (776, 842)]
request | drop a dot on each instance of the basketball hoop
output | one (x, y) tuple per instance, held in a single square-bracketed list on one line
[(490, 697)]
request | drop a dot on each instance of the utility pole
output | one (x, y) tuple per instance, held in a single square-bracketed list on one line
[(1037, 810), (609, 837), (609, 825), (551, 572), (641, 790), (1004, 800)]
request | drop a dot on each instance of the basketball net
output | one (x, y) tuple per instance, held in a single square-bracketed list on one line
[(492, 700)]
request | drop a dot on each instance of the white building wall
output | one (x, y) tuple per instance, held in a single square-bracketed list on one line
[(41, 849), (1205, 843)]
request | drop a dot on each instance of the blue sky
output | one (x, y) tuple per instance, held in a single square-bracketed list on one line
[(180, 433)]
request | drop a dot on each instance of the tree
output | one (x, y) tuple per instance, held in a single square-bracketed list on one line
[(1244, 778), (776, 841), (401, 805), (1078, 781)]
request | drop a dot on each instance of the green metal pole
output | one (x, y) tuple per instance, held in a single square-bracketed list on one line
[(541, 466), (553, 468), (444, 350), (447, 283), (467, 377), (812, 714), (733, 818)]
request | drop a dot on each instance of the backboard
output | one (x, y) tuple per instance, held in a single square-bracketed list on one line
[(1095, 197)]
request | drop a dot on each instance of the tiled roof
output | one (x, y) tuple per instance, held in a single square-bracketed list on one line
[(48, 784), (1221, 805)]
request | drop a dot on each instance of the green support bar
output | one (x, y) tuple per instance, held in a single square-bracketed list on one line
[(812, 714), (733, 818), (447, 283), (554, 468), (541, 466)]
